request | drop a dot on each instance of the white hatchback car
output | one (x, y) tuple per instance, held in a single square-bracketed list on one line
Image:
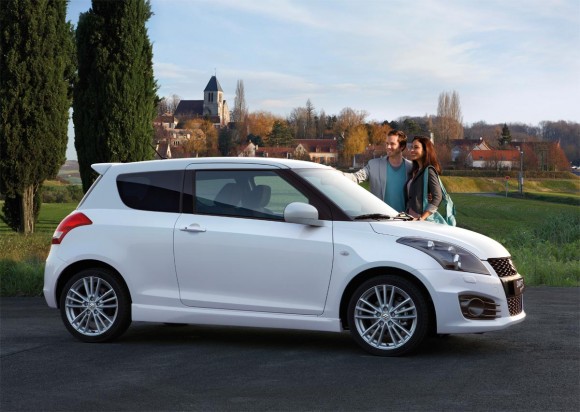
[(269, 243)]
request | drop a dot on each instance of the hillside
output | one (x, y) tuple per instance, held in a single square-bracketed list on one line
[(69, 172)]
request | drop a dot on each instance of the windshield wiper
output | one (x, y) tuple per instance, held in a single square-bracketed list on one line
[(376, 216), (403, 216)]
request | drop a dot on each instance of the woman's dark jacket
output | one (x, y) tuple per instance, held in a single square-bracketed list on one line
[(414, 194)]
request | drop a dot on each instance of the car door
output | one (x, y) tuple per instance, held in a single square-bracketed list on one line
[(236, 251)]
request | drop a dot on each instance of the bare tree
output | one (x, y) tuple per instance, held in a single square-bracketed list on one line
[(240, 112), (320, 124), (449, 122), (172, 103), (349, 119), (168, 105), (298, 122), (310, 117)]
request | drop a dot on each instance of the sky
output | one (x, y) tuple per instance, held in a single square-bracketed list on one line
[(510, 61)]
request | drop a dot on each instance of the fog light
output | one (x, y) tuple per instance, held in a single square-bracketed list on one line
[(475, 307), (478, 307)]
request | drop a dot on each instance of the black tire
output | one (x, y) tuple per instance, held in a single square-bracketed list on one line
[(95, 306), (388, 316)]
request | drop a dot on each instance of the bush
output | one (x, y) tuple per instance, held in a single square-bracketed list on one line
[(21, 278), (62, 194), (549, 253), (513, 174)]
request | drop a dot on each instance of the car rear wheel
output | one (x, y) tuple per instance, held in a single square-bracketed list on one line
[(95, 306), (388, 316)]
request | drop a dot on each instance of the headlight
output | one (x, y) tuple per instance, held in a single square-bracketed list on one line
[(450, 257)]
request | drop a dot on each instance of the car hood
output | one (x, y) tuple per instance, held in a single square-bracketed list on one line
[(481, 246)]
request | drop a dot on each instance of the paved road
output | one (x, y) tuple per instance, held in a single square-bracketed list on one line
[(533, 366)]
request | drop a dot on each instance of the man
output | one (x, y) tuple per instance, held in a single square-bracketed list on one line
[(388, 174)]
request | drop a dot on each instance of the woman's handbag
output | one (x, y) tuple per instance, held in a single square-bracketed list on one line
[(445, 213)]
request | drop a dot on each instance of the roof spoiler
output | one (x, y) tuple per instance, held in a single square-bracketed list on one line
[(101, 168)]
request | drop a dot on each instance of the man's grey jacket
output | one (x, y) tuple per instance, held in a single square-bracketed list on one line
[(376, 172)]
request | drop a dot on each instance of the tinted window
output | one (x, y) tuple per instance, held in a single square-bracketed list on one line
[(259, 194), (153, 191)]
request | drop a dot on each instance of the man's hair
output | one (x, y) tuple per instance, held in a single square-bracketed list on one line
[(401, 137)]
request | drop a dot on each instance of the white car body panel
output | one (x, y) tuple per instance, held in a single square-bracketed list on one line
[(220, 267), (481, 246), (262, 273)]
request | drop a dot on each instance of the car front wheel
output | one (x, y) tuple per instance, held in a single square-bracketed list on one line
[(95, 306), (388, 316)]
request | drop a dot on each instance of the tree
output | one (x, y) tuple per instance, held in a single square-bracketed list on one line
[(321, 124), (448, 124), (36, 73), (204, 138), (225, 141), (168, 105), (256, 140), (240, 112), (297, 122), (349, 119), (261, 123), (310, 120), (505, 137), (355, 142), (302, 120), (566, 133), (411, 127), (443, 151), (114, 99), (281, 135), (378, 133)]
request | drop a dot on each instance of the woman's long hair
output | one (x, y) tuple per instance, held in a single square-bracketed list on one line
[(429, 154)]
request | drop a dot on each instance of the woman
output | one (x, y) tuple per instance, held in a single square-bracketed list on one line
[(424, 161)]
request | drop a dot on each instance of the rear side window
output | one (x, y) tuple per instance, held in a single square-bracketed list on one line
[(152, 191)]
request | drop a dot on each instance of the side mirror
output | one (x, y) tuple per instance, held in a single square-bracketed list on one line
[(303, 213)]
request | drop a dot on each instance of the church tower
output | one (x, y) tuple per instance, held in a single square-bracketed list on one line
[(213, 96)]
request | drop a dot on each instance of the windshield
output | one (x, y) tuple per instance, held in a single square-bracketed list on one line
[(354, 200)]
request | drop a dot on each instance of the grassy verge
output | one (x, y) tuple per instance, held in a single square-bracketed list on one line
[(22, 257), (542, 237)]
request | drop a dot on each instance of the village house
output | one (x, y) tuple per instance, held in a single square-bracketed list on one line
[(494, 159), (478, 154), (322, 151)]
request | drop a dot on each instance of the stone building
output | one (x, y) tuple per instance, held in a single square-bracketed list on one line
[(213, 106)]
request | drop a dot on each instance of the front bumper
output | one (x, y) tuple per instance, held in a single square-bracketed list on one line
[(502, 298)]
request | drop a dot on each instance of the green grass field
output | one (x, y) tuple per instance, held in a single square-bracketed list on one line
[(541, 231), (22, 257), (543, 237)]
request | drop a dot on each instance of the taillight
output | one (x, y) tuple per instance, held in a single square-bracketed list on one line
[(68, 224)]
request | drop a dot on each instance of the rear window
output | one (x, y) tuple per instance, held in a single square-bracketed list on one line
[(152, 191)]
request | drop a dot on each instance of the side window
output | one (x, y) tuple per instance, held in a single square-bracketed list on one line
[(243, 193), (152, 191), (282, 193)]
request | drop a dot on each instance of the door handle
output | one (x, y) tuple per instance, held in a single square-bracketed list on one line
[(194, 227)]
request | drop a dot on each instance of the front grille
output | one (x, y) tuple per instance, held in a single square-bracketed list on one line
[(503, 267), (515, 305)]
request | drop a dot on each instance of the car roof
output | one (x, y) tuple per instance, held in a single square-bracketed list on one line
[(182, 163)]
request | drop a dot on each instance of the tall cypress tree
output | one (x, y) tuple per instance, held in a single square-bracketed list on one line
[(115, 96), (36, 57), (506, 137)]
